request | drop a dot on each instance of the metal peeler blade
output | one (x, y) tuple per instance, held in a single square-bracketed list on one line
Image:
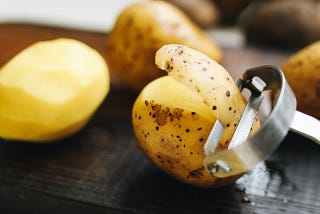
[(244, 153)]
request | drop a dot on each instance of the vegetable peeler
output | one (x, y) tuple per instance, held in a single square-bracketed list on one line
[(245, 152)]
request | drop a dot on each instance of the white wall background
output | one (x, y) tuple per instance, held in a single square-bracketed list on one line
[(93, 15)]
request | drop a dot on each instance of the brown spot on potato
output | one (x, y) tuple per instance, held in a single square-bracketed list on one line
[(298, 64), (129, 22), (161, 114), (214, 108), (197, 173), (197, 89), (228, 93), (177, 113), (139, 36), (168, 66)]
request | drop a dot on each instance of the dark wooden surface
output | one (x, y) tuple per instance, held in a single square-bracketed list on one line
[(102, 170)]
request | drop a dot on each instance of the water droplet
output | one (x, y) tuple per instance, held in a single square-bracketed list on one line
[(245, 200)]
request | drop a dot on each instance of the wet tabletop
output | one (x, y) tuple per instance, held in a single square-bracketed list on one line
[(102, 170)]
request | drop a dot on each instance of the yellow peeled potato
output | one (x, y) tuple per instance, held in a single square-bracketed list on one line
[(302, 71), (50, 90), (172, 119), (140, 30)]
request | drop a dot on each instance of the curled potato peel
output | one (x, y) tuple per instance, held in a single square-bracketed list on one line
[(205, 77)]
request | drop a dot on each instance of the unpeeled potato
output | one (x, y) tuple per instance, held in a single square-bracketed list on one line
[(173, 115), (202, 12), (50, 90), (282, 23), (140, 30), (302, 71)]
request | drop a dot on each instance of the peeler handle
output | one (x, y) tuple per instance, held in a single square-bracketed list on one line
[(306, 126)]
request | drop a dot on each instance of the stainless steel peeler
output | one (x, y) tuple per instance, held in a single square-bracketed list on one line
[(244, 153)]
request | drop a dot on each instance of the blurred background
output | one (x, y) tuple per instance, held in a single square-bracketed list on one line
[(284, 23)]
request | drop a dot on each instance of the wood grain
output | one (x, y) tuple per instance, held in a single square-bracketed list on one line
[(15, 37), (102, 170)]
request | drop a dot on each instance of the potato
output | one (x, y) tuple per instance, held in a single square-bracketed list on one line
[(140, 30), (202, 12), (50, 90), (172, 119), (230, 10), (283, 23), (302, 71)]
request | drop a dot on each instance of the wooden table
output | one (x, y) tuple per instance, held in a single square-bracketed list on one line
[(102, 170)]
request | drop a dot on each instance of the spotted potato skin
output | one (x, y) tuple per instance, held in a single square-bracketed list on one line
[(173, 139)]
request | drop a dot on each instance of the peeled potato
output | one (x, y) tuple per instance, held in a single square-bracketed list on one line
[(140, 30), (50, 90), (302, 71), (172, 119)]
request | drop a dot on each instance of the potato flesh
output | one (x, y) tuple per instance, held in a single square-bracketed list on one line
[(50, 90), (171, 125), (178, 97)]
